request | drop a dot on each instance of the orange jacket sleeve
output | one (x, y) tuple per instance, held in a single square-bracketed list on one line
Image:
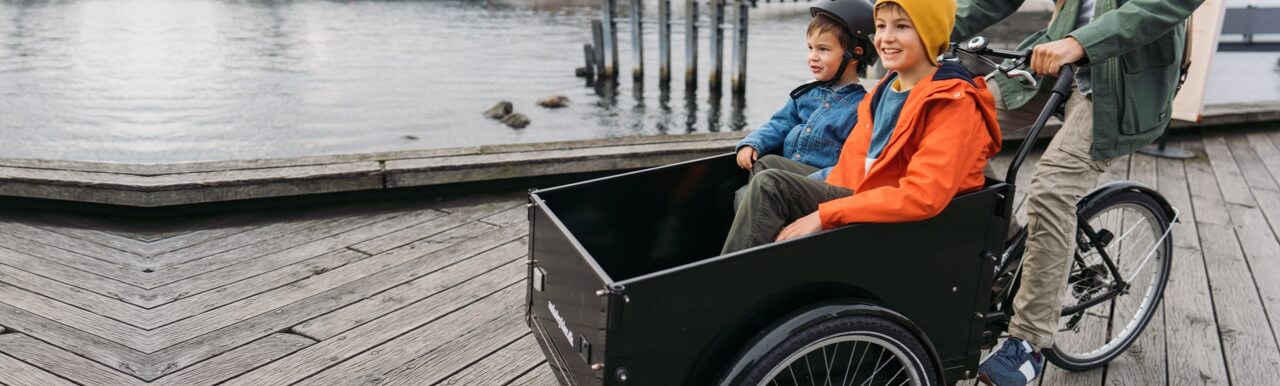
[(954, 135)]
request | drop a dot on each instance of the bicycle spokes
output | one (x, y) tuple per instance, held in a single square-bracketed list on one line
[(1117, 245)]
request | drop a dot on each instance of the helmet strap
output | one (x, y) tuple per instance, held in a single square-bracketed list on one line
[(844, 64)]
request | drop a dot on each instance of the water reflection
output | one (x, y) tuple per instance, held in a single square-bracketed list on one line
[(607, 90), (667, 117), (737, 119), (691, 109)]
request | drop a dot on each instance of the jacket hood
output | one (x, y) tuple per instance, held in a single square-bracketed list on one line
[(953, 81)]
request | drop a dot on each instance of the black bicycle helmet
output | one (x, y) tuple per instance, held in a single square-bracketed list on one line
[(857, 17)]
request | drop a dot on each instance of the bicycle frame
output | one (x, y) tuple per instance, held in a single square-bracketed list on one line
[(1013, 258), (1012, 255)]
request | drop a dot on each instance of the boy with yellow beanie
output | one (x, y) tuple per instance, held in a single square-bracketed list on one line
[(923, 135)]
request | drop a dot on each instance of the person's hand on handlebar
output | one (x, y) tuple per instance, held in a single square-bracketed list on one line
[(1049, 57)]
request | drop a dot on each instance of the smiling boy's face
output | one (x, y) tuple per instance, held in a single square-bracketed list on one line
[(897, 41), (825, 55)]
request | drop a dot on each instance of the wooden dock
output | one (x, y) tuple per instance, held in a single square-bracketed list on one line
[(430, 291), (152, 186)]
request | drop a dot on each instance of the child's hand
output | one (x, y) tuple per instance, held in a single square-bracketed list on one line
[(746, 157), (807, 225)]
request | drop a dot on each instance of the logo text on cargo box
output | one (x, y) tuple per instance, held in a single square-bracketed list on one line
[(560, 321)]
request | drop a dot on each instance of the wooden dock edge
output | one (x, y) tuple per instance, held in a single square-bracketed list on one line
[(163, 185)]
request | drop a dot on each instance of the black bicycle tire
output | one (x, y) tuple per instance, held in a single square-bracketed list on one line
[(897, 335), (1087, 212)]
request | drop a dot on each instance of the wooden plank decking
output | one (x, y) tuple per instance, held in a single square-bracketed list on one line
[(429, 292)]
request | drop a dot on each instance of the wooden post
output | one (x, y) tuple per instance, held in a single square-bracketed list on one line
[(610, 29), (597, 38), (637, 40), (691, 44), (717, 44), (589, 57), (739, 82), (664, 42)]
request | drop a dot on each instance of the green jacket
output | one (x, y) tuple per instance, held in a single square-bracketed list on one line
[(1134, 49)]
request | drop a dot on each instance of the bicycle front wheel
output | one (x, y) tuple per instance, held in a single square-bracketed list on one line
[(852, 350), (1133, 229)]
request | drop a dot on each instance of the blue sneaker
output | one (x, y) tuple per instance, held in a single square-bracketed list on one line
[(1012, 362)]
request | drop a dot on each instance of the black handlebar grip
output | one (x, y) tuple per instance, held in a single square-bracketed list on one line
[(1066, 76)]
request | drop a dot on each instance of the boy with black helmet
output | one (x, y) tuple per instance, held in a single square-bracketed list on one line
[(809, 130), (854, 16)]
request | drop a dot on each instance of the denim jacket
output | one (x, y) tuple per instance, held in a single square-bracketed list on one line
[(810, 129)]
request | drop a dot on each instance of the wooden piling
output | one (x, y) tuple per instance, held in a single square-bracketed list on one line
[(664, 42), (637, 40), (610, 28), (717, 44), (739, 82), (597, 39), (589, 58), (691, 44)]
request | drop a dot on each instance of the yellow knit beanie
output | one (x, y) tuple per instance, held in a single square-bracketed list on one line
[(933, 19)]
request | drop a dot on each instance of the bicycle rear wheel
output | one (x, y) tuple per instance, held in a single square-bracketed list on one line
[(1134, 229)]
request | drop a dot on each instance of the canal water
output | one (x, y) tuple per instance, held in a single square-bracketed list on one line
[(151, 81)]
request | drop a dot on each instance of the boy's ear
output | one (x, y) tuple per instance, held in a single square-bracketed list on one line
[(857, 51)]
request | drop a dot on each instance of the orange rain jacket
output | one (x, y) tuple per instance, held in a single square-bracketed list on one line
[(946, 131)]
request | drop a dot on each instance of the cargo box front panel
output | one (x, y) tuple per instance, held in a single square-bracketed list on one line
[(565, 310)]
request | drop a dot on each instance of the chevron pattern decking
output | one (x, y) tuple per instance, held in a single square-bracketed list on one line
[(395, 293), (428, 292)]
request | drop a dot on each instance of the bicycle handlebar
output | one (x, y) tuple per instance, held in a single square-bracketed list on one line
[(1014, 66), (1066, 76)]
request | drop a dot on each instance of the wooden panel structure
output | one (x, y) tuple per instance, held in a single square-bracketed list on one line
[(430, 292)]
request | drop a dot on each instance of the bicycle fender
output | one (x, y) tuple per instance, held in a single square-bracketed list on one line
[(788, 325), (1115, 187)]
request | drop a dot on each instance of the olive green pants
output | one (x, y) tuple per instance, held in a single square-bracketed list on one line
[(778, 193), (1065, 172)]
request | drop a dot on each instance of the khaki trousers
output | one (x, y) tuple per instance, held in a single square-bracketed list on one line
[(1065, 172)]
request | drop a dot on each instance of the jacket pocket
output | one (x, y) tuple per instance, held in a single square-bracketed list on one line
[(1148, 99), (1158, 53)]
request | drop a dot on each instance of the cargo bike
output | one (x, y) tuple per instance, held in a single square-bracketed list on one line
[(626, 285)]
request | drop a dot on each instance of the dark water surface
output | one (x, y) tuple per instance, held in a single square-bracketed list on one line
[(149, 81)]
